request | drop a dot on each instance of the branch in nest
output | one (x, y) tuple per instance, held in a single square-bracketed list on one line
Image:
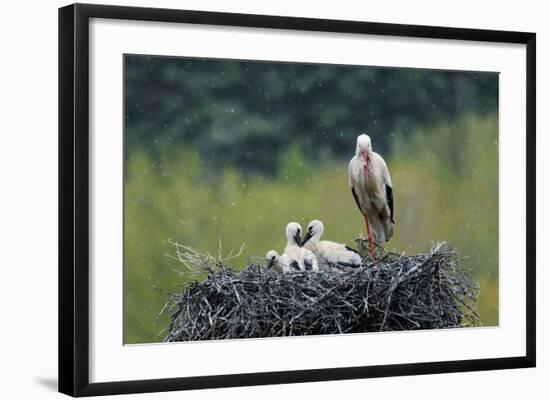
[(201, 262)]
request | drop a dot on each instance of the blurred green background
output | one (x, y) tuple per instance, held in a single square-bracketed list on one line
[(230, 151)]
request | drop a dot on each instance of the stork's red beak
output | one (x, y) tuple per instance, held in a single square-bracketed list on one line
[(366, 160)]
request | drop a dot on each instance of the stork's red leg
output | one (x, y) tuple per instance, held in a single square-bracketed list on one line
[(369, 237)]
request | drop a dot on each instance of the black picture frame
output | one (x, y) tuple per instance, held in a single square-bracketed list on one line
[(74, 198)]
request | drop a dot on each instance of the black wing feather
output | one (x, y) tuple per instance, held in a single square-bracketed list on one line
[(356, 199), (348, 265), (389, 199)]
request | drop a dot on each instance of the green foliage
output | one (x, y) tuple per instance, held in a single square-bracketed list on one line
[(445, 183), (446, 188)]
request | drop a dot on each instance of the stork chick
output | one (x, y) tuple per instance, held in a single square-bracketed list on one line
[(371, 186), (279, 264), (304, 258), (328, 253)]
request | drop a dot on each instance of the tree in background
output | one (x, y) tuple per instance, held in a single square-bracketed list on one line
[(247, 113)]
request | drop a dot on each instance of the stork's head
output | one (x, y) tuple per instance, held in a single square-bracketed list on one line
[(315, 229), (293, 233), (271, 257), (363, 145)]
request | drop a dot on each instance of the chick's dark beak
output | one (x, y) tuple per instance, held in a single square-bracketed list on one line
[(298, 239), (307, 237)]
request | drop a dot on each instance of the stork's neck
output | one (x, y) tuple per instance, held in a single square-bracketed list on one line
[(317, 236)]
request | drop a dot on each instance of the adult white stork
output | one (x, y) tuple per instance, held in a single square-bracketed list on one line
[(329, 254), (372, 190), (304, 258)]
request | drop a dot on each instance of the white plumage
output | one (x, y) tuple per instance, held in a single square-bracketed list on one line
[(372, 189), (293, 245), (329, 254), (308, 261)]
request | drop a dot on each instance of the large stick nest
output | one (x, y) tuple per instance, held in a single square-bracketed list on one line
[(398, 292)]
